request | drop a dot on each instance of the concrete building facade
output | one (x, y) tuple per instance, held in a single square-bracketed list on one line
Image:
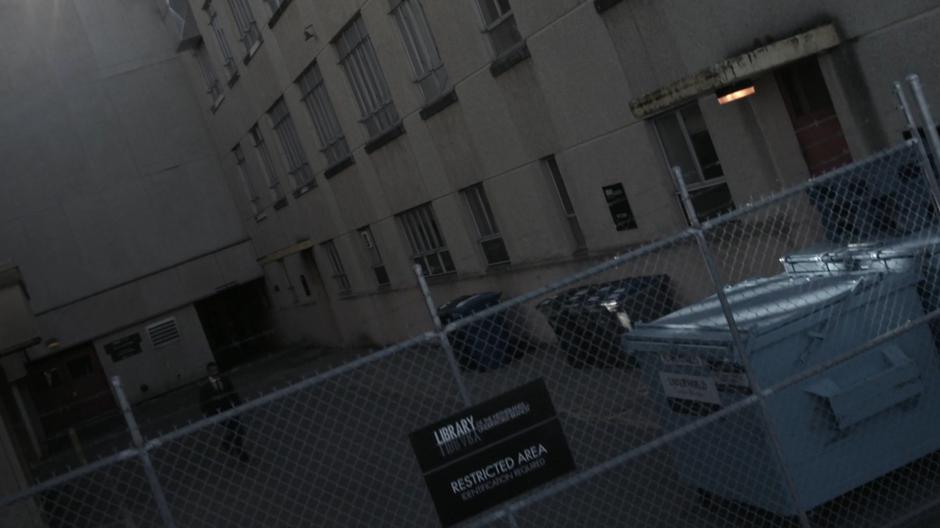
[(161, 157), (114, 214), (504, 143)]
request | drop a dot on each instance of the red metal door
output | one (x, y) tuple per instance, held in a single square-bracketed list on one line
[(813, 115)]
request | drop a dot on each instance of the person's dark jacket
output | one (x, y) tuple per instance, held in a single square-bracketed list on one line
[(213, 401)]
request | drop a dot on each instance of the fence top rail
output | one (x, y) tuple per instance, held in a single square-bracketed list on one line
[(688, 233), (69, 476), (612, 263), (808, 184), (301, 385)]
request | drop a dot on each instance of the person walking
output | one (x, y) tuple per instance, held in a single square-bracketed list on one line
[(217, 394)]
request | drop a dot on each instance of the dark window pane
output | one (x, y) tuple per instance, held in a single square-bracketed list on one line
[(495, 251), (303, 282), (448, 263), (434, 264), (81, 367), (707, 157), (677, 150), (619, 206), (712, 201), (381, 276)]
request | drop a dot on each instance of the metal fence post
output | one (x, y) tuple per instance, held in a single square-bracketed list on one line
[(442, 336), (712, 268), (451, 357), (929, 124), (157, 490), (929, 170)]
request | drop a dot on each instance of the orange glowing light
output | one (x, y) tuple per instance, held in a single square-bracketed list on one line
[(736, 95)]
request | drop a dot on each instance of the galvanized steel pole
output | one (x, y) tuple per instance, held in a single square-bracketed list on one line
[(162, 505), (712, 268)]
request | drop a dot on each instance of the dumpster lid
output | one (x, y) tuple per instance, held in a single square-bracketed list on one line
[(767, 303), (599, 293), (847, 258), (468, 302)]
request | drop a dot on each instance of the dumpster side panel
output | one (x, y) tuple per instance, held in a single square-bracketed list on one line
[(876, 415), (730, 458)]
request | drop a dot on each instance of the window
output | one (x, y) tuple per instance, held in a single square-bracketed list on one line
[(428, 248), (490, 240), (551, 165), (687, 144), (267, 163), (339, 273), (219, 32), (419, 42), (245, 20), (213, 88), (297, 164), (375, 257), (500, 25), (332, 140), (245, 176), (358, 58), (305, 285), (619, 206)]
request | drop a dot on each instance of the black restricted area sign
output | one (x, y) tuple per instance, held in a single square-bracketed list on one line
[(492, 452)]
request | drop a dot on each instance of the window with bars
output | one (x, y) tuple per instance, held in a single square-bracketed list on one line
[(216, 25), (213, 88), (358, 58), (500, 25), (551, 167), (494, 249), (428, 248), (416, 35), (250, 35), (336, 264), (332, 140), (375, 256), (247, 182), (687, 144), (283, 125), (267, 163)]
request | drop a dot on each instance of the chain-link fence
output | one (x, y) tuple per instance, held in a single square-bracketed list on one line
[(775, 366)]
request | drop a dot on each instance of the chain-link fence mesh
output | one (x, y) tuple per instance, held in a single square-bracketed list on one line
[(777, 366)]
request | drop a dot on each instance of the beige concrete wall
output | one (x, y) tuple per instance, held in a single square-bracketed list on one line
[(571, 100), (156, 370)]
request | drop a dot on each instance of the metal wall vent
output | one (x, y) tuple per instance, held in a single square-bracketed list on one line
[(164, 332)]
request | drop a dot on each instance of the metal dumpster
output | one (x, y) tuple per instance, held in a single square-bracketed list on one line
[(918, 254), (837, 430), (480, 345), (589, 320)]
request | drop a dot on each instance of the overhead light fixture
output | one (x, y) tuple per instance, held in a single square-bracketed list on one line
[(735, 92), (52, 344)]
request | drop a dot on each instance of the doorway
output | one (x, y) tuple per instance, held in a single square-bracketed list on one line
[(817, 127), (69, 388)]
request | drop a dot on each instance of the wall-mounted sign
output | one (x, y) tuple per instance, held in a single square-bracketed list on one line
[(124, 347), (492, 452)]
